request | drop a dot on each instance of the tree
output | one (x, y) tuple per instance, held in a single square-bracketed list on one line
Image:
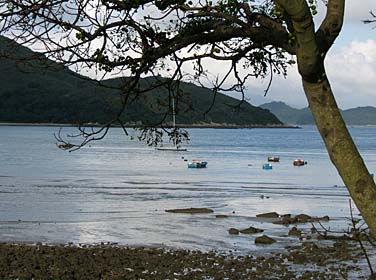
[(148, 37)]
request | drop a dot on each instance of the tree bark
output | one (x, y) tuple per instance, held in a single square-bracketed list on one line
[(311, 49), (342, 150)]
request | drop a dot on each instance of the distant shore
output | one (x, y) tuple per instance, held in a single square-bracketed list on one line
[(200, 125)]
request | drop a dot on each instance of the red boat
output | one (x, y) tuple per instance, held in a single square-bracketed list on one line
[(273, 159), (299, 162)]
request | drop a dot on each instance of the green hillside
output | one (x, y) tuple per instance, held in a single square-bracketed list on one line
[(355, 116), (360, 116), (38, 90), (289, 114)]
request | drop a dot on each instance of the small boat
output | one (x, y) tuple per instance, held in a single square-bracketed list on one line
[(273, 159), (299, 162), (197, 164), (267, 166)]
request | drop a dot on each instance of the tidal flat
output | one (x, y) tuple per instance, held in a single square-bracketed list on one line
[(117, 192)]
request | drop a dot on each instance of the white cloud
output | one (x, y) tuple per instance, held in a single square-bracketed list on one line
[(352, 72)]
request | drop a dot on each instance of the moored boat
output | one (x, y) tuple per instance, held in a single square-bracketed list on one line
[(273, 159), (267, 166), (299, 162), (197, 164)]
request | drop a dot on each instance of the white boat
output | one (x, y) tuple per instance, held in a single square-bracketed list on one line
[(175, 147)]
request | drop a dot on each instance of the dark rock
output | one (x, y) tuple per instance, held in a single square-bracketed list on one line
[(303, 218), (295, 232), (268, 215), (191, 211), (287, 220), (251, 230), (286, 216), (233, 231), (221, 216), (321, 219), (334, 237), (264, 240)]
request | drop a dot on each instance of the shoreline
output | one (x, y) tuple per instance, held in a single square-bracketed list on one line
[(310, 260), (205, 125)]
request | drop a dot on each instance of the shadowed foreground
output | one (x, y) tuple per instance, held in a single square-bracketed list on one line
[(308, 261)]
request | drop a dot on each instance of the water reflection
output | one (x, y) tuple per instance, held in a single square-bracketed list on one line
[(118, 190)]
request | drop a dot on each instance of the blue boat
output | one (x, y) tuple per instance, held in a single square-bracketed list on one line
[(197, 164), (267, 166)]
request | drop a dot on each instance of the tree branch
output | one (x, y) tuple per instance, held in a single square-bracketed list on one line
[(310, 63), (331, 25)]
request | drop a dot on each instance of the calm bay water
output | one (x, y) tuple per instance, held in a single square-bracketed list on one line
[(117, 190)]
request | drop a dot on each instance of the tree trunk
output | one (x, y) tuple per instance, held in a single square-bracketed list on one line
[(311, 49), (342, 150)]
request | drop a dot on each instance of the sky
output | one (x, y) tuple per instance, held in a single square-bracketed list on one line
[(350, 66)]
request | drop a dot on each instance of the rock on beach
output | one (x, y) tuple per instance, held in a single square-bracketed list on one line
[(191, 210), (233, 231), (264, 240), (294, 232), (251, 230), (268, 215)]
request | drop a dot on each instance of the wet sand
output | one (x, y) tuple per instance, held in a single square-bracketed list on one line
[(310, 260)]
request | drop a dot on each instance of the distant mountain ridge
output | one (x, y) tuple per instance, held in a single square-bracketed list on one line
[(287, 114), (30, 92)]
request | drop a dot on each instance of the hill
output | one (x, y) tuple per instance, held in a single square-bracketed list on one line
[(37, 90), (286, 113), (360, 116), (354, 116)]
